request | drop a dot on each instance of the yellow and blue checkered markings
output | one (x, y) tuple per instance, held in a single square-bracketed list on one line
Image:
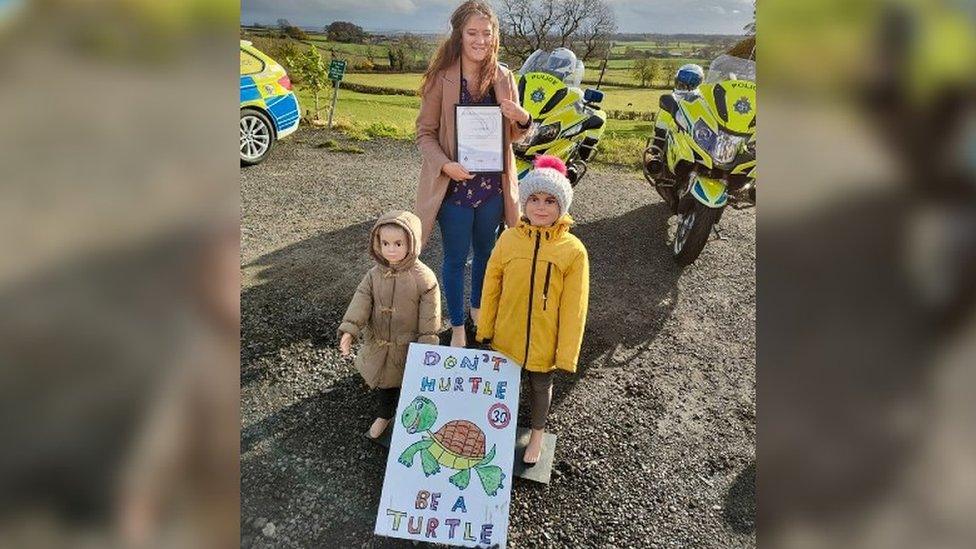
[(710, 192), (283, 108)]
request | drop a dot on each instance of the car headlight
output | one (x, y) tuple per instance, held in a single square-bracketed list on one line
[(704, 136)]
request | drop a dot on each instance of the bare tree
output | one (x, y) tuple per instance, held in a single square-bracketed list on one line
[(595, 32), (582, 25), (750, 28)]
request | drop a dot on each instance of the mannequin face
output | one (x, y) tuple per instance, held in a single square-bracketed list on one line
[(476, 39), (393, 244), (542, 209)]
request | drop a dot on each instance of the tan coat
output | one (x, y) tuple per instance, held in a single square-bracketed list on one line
[(435, 139), (392, 307)]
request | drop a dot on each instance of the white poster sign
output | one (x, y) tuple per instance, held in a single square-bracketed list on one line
[(448, 475)]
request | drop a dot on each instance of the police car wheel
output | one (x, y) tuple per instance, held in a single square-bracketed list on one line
[(257, 137)]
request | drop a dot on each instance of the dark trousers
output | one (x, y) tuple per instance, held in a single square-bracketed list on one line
[(386, 402), (541, 385)]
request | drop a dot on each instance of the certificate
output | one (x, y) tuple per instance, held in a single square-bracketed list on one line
[(478, 133)]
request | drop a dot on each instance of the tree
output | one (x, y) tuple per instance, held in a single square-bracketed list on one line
[(645, 70), (665, 73), (409, 52), (287, 50), (344, 31), (751, 27), (313, 72), (593, 35), (582, 25), (296, 33)]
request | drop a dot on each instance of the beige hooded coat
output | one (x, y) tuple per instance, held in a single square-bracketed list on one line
[(436, 141), (393, 306)]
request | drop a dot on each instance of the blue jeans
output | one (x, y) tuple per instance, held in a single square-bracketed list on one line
[(461, 229)]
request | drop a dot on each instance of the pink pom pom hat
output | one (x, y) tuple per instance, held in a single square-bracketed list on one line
[(548, 176)]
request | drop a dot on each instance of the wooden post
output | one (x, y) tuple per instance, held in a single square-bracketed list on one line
[(335, 94), (604, 67)]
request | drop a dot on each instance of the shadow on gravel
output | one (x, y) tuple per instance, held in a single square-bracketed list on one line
[(633, 289), (302, 290), (316, 466), (740, 502)]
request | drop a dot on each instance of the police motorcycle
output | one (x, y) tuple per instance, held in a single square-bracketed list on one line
[(702, 156), (566, 122)]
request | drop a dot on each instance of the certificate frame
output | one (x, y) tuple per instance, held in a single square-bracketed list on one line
[(478, 154)]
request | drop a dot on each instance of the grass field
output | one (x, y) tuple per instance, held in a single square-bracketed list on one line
[(406, 81), (629, 63), (619, 48), (631, 99), (616, 98), (354, 53), (365, 115), (624, 75)]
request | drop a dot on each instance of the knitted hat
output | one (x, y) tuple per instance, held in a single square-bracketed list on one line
[(548, 176)]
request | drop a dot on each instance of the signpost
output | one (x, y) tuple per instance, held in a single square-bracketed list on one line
[(448, 474), (336, 70)]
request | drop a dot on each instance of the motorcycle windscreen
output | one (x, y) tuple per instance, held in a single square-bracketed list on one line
[(734, 102)]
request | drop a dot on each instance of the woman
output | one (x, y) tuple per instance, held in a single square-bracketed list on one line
[(468, 207)]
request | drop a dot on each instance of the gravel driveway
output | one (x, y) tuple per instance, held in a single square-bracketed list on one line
[(657, 431)]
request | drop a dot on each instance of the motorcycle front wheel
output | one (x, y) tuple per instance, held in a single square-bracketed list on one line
[(692, 232)]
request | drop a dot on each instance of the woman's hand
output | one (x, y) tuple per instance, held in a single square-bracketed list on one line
[(456, 171), (345, 344), (514, 112)]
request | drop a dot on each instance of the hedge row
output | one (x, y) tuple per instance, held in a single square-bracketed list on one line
[(631, 115), (376, 90)]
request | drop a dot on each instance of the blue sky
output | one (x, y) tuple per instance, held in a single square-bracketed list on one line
[(657, 16)]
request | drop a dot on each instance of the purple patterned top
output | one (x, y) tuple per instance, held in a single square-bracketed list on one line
[(474, 192)]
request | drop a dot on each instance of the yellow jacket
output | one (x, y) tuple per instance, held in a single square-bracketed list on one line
[(535, 295)]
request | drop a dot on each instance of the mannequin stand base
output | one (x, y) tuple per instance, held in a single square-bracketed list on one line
[(542, 470)]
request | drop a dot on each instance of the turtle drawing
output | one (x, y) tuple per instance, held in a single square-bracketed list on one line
[(458, 445)]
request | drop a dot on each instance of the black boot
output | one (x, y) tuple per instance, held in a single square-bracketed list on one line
[(655, 167)]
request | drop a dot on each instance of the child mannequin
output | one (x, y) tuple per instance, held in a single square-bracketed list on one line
[(536, 290), (397, 302)]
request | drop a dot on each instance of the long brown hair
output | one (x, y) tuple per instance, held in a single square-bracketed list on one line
[(450, 49)]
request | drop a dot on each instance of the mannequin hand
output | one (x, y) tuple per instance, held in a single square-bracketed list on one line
[(456, 171), (345, 344), (514, 112)]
